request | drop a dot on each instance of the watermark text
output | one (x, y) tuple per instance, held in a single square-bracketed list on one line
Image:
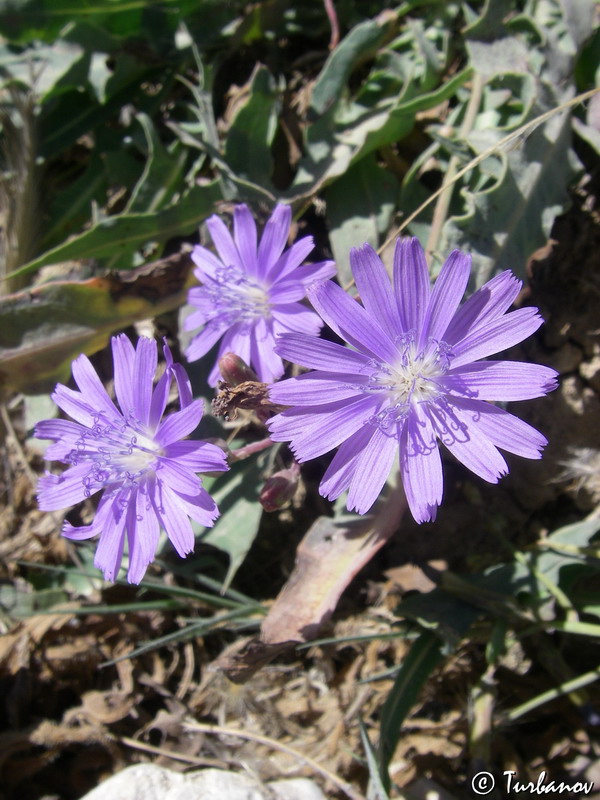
[(484, 783)]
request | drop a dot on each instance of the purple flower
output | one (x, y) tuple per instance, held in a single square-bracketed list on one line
[(249, 295), (413, 377), (147, 474)]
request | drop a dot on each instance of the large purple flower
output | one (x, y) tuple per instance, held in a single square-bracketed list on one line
[(147, 474), (413, 377), (249, 295)]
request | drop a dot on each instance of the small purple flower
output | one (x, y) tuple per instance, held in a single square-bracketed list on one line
[(249, 295), (413, 377), (147, 474)]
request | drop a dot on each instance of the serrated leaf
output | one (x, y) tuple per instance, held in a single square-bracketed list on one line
[(501, 222), (333, 148)]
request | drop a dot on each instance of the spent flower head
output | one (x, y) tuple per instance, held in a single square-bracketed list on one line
[(411, 377), (133, 455), (251, 292)]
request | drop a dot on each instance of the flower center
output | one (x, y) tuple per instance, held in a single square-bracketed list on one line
[(410, 380), (116, 452), (233, 294)]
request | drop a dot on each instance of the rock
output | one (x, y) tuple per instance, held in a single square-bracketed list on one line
[(150, 782)]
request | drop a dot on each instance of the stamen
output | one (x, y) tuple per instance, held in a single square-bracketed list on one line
[(411, 379), (118, 452), (235, 298)]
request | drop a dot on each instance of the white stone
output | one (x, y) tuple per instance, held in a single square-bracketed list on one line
[(151, 782)]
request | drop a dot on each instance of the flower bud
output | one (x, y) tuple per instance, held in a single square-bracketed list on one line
[(235, 370), (279, 488)]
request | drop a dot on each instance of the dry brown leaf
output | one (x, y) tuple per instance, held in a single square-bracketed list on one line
[(102, 708), (15, 650)]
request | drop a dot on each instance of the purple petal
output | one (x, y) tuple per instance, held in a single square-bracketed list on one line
[(288, 291), (317, 430), (63, 432), (315, 273), (289, 262), (486, 304), (320, 354), (203, 341), (109, 552), (266, 363), (371, 471), (316, 387), (244, 234), (500, 334), (160, 395), (123, 353), (174, 519), (207, 264), (196, 319), (197, 456), (73, 404), (297, 318), (228, 252), (500, 380), (179, 424), (177, 477), (201, 508), (274, 238), (446, 295), (350, 321), (56, 492), (142, 534), (160, 398), (144, 369), (466, 441), (503, 429), (182, 381), (97, 526), (421, 466), (411, 283), (374, 286), (92, 389), (341, 470)]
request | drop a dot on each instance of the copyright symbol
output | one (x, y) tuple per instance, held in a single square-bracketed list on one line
[(483, 783)]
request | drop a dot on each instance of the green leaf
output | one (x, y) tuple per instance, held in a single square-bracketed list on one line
[(125, 233), (163, 172), (249, 138), (27, 20), (70, 209), (423, 658), (236, 494), (450, 617), (360, 205), (359, 45), (334, 146)]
